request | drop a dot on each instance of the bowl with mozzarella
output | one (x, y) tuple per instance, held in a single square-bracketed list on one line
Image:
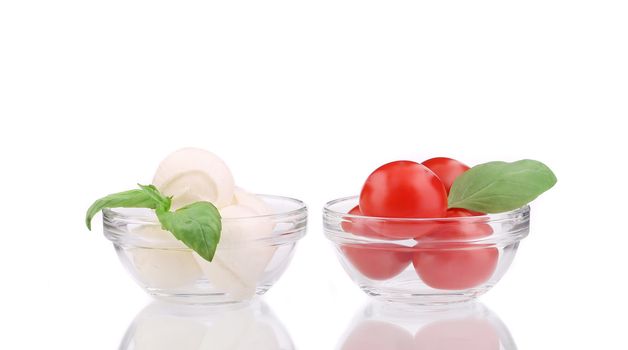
[(253, 252), (257, 236)]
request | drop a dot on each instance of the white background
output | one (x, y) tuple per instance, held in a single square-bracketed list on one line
[(304, 99)]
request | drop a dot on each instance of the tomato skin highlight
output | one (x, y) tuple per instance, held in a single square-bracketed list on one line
[(403, 189), (456, 265), (378, 261), (447, 169), (358, 226)]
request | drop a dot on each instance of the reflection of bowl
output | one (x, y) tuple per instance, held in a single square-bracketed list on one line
[(429, 260), (252, 253), (168, 326), (469, 326)]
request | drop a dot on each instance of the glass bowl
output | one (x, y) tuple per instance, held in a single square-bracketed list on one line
[(167, 326), (252, 254), (470, 326), (424, 260)]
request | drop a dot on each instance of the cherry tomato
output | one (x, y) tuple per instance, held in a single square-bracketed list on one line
[(359, 226), (456, 265), (446, 169), (458, 212), (378, 261), (403, 189), (460, 230)]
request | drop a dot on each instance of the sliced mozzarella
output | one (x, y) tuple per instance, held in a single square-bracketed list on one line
[(240, 261), (191, 175), (163, 268), (155, 235), (242, 197)]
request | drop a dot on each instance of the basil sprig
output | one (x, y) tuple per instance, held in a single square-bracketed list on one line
[(497, 187), (197, 225)]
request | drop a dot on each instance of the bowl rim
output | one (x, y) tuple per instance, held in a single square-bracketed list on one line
[(327, 211), (333, 219), (145, 215), (115, 220)]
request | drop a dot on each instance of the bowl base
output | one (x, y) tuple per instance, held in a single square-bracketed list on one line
[(207, 298), (428, 299)]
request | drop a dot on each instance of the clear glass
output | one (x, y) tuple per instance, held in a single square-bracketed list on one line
[(249, 325), (452, 327), (252, 254), (424, 260)]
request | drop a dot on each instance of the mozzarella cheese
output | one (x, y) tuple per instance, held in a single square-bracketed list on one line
[(190, 175), (239, 262), (163, 268), (242, 197)]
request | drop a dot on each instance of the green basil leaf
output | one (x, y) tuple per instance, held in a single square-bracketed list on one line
[(128, 199), (152, 191), (197, 225), (497, 187)]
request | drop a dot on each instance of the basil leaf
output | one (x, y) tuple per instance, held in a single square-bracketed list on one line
[(497, 187), (128, 199), (152, 191), (197, 225)]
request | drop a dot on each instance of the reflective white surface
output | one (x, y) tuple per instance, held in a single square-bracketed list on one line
[(163, 326), (305, 99), (469, 326)]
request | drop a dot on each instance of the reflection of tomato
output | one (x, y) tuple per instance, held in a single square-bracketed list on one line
[(456, 334), (456, 265), (403, 189), (378, 261), (446, 169), (358, 226), (378, 335)]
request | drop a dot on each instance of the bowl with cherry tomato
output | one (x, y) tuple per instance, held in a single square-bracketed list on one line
[(435, 232)]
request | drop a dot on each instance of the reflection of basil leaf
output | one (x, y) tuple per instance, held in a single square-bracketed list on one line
[(497, 187), (197, 225), (146, 197)]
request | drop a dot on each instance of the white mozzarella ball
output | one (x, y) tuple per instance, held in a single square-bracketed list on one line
[(163, 267), (191, 175), (239, 262), (154, 234), (242, 197)]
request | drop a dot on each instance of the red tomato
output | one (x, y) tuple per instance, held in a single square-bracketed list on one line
[(456, 266), (446, 169), (378, 261), (458, 212), (359, 226), (403, 189), (458, 230)]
